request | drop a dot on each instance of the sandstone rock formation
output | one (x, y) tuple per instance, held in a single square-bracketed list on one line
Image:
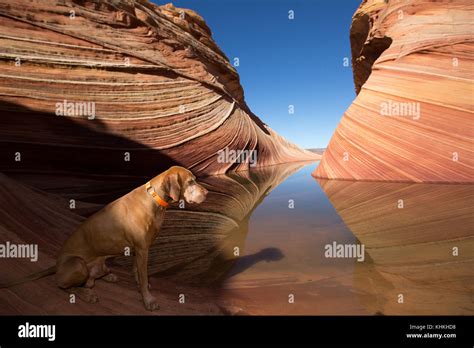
[(161, 91), (412, 118)]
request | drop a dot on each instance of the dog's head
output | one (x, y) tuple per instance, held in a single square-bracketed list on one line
[(180, 183)]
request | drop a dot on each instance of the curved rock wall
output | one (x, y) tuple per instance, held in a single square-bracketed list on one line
[(142, 79), (413, 72)]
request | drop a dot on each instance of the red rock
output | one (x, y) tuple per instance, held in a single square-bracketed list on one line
[(163, 91), (408, 52)]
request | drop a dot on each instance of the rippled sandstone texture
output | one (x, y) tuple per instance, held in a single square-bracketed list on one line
[(409, 51), (163, 91)]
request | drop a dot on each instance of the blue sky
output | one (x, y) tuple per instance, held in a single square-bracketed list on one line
[(287, 62)]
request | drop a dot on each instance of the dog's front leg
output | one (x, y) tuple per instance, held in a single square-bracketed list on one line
[(135, 273), (141, 259)]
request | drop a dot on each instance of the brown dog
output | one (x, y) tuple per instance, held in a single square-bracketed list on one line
[(130, 223)]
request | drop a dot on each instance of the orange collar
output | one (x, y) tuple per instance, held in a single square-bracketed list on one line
[(151, 191)]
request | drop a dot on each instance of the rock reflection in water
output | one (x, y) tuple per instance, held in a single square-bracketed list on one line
[(222, 245), (411, 234), (199, 244)]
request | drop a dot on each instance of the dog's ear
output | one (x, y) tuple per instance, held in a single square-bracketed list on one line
[(174, 188)]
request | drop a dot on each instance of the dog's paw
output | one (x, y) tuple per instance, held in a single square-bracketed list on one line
[(88, 295), (151, 304), (93, 298), (110, 278)]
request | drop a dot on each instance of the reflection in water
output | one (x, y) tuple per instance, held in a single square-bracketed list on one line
[(200, 243), (420, 239), (260, 238)]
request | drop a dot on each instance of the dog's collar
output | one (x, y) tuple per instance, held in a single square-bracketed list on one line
[(151, 191)]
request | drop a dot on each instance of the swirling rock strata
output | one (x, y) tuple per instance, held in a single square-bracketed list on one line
[(412, 118), (160, 89)]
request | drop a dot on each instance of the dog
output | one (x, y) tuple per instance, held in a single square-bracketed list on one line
[(132, 222)]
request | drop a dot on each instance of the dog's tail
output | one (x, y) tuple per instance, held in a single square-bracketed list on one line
[(34, 276)]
